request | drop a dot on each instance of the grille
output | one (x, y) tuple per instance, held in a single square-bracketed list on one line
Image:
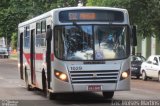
[(98, 76)]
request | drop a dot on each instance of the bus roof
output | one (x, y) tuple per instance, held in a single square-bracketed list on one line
[(49, 13), (91, 7)]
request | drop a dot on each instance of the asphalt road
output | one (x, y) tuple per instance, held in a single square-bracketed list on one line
[(14, 93)]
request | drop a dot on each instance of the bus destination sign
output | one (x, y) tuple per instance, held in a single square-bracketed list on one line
[(91, 15)]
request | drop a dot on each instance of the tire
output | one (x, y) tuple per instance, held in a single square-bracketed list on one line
[(49, 95), (108, 95), (138, 77), (144, 76)]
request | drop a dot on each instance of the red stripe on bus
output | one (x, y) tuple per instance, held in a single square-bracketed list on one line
[(52, 57), (27, 56), (39, 56)]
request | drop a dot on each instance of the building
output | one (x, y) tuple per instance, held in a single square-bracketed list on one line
[(148, 46), (2, 42)]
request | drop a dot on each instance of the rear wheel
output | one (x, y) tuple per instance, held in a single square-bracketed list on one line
[(108, 95), (144, 77)]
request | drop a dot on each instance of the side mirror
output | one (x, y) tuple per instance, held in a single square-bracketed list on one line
[(49, 34), (134, 36)]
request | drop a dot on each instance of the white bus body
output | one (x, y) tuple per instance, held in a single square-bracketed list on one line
[(71, 64)]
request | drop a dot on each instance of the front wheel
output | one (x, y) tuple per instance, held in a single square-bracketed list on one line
[(137, 76), (108, 95), (51, 96), (47, 93), (144, 77)]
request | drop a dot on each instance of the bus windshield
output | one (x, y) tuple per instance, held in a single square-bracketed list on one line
[(91, 42)]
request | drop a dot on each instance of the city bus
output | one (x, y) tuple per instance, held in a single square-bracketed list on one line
[(76, 49)]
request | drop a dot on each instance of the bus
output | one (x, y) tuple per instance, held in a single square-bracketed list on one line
[(76, 49)]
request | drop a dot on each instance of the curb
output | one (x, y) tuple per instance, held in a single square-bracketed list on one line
[(13, 59)]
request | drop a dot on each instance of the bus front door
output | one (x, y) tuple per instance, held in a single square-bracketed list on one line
[(21, 55), (32, 55)]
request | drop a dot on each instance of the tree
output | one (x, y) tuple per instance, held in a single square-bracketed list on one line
[(13, 12), (14, 41), (143, 13)]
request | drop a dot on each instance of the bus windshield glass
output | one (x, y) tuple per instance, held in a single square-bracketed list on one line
[(91, 42)]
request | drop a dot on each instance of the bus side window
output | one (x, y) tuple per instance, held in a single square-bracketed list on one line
[(38, 28), (26, 37), (40, 34), (43, 26), (40, 40)]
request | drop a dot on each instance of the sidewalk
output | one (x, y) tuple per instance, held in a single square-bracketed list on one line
[(13, 58)]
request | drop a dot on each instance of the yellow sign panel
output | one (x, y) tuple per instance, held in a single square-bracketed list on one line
[(82, 16), (88, 16)]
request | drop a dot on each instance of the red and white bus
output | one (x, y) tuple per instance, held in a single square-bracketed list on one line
[(76, 49)]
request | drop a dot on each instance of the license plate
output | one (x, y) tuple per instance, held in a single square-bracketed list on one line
[(94, 88)]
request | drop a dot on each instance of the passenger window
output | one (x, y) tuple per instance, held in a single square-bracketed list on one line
[(38, 28), (40, 34), (40, 40), (27, 37), (43, 25)]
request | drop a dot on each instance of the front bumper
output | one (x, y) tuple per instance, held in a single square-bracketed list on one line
[(121, 85)]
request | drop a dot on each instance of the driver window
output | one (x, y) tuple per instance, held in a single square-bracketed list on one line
[(156, 61)]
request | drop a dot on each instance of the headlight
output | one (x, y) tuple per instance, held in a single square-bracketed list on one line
[(60, 75), (125, 74)]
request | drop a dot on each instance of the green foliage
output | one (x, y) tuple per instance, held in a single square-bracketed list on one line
[(14, 41), (13, 12), (100, 2), (143, 13), (10, 15), (67, 3)]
